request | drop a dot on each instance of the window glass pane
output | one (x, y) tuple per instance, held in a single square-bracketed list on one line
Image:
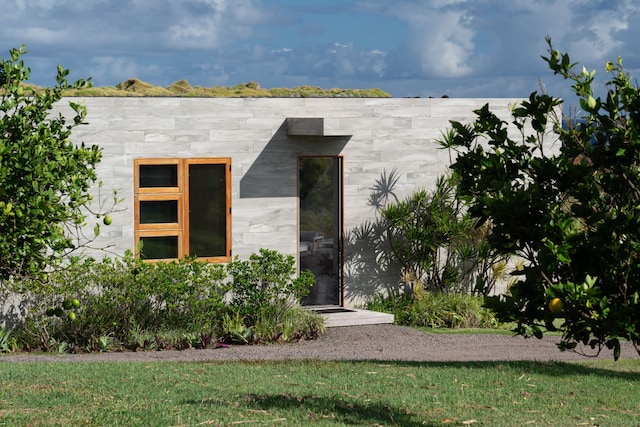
[(158, 211), (159, 247), (158, 176), (207, 210), (319, 182)]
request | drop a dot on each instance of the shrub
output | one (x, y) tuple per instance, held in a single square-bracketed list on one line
[(570, 211), (437, 310), (125, 302), (7, 341), (282, 322), (265, 279), (44, 176), (118, 296), (439, 244)]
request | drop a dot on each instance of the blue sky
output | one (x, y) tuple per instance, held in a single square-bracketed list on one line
[(462, 48)]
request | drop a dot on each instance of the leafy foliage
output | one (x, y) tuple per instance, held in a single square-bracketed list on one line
[(44, 176), (438, 244), (7, 341), (436, 310), (124, 302), (264, 279), (119, 296), (573, 214)]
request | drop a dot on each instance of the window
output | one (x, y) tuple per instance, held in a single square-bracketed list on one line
[(183, 208)]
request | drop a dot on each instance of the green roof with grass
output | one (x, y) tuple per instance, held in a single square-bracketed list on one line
[(182, 88)]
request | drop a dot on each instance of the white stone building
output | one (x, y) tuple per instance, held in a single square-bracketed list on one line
[(224, 177)]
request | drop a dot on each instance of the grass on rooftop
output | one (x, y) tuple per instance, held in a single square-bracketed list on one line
[(182, 88)]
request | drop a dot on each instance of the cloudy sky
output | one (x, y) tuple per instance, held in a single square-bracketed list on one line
[(462, 48)]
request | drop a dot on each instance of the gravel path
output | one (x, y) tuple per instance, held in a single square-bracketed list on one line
[(370, 342)]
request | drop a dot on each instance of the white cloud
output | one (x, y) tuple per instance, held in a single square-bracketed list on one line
[(604, 31), (440, 40), (461, 38), (215, 23), (458, 47), (20, 6), (43, 35), (338, 60), (104, 68), (445, 49)]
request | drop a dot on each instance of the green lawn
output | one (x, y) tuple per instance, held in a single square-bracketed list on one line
[(602, 393)]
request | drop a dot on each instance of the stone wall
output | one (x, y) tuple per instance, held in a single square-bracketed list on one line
[(374, 137)]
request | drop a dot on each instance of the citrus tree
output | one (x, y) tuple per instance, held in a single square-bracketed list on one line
[(573, 213), (44, 176)]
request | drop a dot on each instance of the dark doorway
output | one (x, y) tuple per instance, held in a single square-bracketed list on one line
[(320, 227)]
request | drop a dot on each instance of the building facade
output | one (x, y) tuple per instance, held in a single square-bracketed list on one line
[(223, 177)]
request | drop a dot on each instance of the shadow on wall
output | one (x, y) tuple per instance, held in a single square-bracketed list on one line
[(450, 252), (274, 171), (370, 267), (12, 309)]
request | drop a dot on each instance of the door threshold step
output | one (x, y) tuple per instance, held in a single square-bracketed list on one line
[(341, 316)]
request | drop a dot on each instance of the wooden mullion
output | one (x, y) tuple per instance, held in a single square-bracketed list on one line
[(180, 193), (157, 193), (228, 208), (183, 178), (159, 197)]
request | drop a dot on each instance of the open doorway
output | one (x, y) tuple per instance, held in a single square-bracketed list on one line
[(320, 227)]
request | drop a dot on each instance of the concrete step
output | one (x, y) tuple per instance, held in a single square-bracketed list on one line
[(339, 316)]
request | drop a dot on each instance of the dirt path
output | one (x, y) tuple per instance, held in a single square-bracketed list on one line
[(371, 342)]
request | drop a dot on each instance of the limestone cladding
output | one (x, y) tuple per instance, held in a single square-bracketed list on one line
[(373, 136)]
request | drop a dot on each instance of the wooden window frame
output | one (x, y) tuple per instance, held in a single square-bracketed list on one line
[(181, 194)]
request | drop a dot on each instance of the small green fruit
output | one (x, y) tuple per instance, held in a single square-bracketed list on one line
[(107, 220), (72, 316), (75, 302)]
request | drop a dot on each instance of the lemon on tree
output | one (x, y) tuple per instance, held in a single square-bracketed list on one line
[(555, 305), (107, 220)]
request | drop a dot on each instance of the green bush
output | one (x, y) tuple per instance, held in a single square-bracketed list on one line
[(265, 279), (563, 195), (117, 296), (278, 322), (284, 322), (44, 176), (437, 310), (7, 341), (439, 244), (124, 302)]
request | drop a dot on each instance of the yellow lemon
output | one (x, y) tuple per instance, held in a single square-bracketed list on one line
[(555, 305)]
